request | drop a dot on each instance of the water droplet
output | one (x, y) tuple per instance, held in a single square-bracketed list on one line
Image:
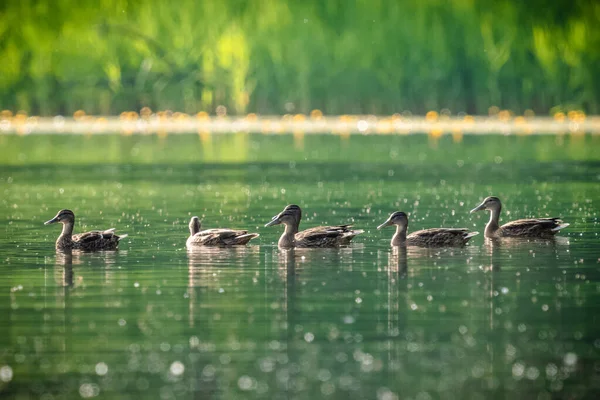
[(570, 359), (6, 373), (246, 383), (88, 390), (177, 368), (101, 368), (309, 337)]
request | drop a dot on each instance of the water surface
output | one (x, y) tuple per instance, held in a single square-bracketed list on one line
[(504, 319)]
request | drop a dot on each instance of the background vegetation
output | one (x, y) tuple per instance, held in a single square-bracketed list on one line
[(277, 56)]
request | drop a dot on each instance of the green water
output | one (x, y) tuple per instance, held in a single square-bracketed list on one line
[(491, 320)]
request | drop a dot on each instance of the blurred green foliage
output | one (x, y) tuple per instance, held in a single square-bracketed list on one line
[(277, 56)]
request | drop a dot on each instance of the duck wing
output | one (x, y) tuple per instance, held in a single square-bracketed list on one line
[(537, 227), (326, 236), (221, 237), (97, 240), (440, 237), (89, 237)]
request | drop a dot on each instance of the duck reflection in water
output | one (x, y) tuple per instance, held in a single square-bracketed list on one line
[(63, 268), (65, 260), (398, 261), (508, 249), (293, 260), (233, 256), (205, 265)]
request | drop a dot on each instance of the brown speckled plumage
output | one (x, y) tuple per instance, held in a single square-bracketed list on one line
[(533, 227), (434, 237), (87, 241), (217, 237), (320, 236)]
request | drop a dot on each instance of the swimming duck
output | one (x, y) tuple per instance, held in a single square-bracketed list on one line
[(216, 237), (534, 227), (434, 237), (320, 236), (87, 241)]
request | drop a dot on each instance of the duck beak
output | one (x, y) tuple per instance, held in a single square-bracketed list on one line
[(274, 221), (386, 223), (53, 220), (478, 208)]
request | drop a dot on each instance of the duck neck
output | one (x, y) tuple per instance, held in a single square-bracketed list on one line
[(67, 229), (492, 225), (400, 235), (66, 236), (287, 239)]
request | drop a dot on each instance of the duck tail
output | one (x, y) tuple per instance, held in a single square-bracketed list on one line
[(471, 234), (243, 239), (121, 237), (559, 227), (249, 235), (353, 233)]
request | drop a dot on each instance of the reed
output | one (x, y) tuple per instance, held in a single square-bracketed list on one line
[(277, 56)]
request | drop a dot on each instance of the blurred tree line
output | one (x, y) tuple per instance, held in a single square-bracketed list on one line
[(278, 56)]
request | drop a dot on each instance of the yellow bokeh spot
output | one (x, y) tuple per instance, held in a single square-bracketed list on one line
[(299, 118), (493, 110), (265, 127), (559, 117), (529, 113), (457, 135), (251, 117), (504, 115), (205, 136), (6, 114), (431, 116), (436, 133), (316, 114), (78, 115), (384, 126), (202, 115), (145, 112), (20, 117), (469, 119)]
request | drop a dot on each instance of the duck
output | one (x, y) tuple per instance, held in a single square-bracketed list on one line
[(532, 228), (434, 237), (320, 236), (87, 241), (217, 236)]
